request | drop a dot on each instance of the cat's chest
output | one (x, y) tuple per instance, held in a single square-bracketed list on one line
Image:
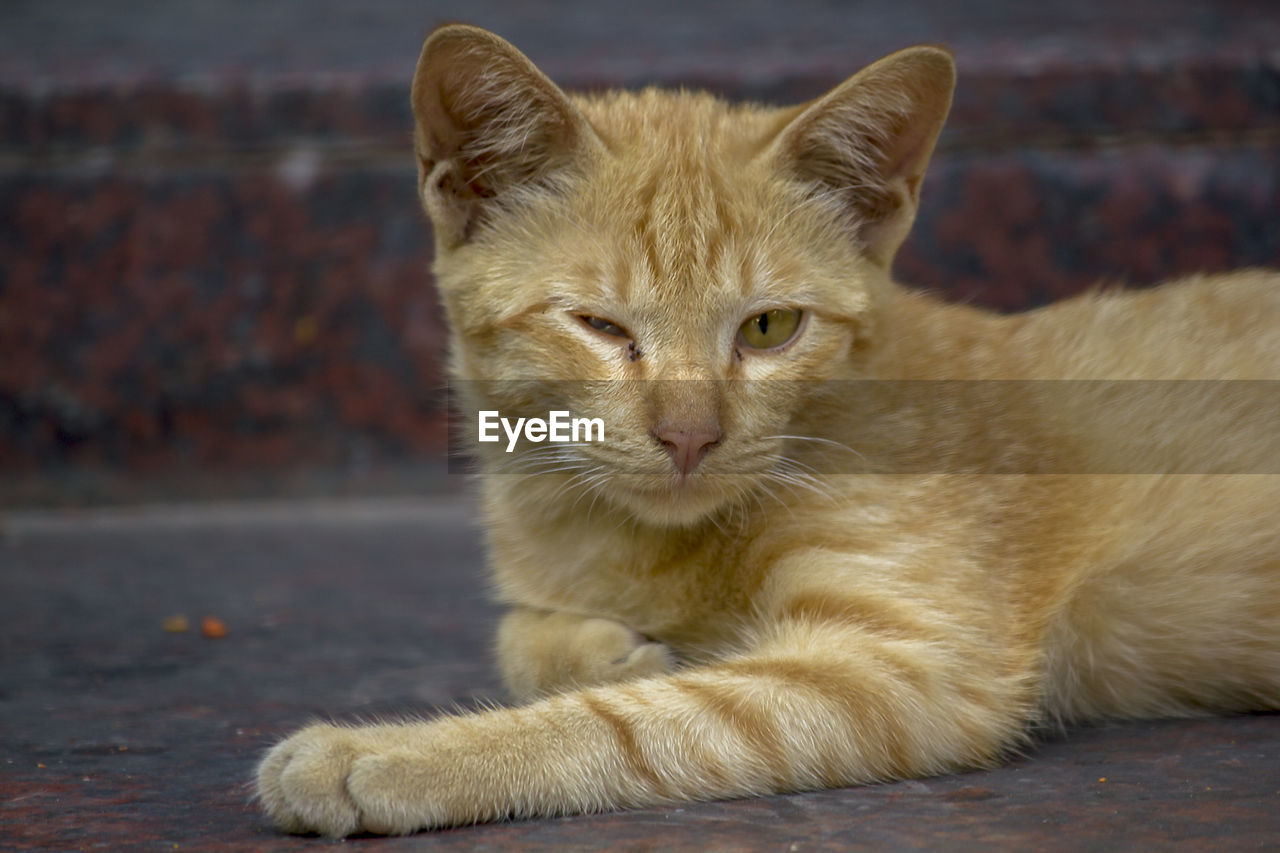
[(692, 591)]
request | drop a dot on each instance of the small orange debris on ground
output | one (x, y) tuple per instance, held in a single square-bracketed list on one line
[(213, 627)]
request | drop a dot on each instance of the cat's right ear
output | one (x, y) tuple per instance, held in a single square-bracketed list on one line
[(488, 126)]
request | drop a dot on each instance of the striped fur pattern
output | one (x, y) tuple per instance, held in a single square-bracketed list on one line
[(751, 624)]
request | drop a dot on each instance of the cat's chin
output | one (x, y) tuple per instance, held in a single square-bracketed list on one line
[(675, 503)]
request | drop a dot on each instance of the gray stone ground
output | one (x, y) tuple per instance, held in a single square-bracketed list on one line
[(116, 734)]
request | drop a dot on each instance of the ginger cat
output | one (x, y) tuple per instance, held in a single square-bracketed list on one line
[(710, 603)]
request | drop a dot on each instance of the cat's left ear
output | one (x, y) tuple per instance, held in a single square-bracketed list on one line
[(867, 143)]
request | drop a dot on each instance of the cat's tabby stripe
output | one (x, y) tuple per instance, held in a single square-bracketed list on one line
[(626, 741), (881, 616)]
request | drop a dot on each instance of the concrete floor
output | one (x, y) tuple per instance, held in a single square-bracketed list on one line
[(116, 734)]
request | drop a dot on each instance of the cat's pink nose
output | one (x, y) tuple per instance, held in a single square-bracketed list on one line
[(687, 443)]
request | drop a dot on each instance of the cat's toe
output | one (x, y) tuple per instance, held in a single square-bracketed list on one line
[(648, 659), (302, 783), (397, 793), (610, 651)]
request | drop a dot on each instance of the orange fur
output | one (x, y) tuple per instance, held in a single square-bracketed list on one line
[(831, 590)]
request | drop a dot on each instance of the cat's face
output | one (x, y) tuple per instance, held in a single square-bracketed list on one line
[(677, 267)]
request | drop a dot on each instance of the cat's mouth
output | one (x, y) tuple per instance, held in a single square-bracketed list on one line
[(677, 499)]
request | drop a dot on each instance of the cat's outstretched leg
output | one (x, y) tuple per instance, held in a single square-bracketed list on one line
[(541, 652), (814, 705)]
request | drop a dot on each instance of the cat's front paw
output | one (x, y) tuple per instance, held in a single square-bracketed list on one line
[(544, 653), (605, 651), (339, 781), (302, 782)]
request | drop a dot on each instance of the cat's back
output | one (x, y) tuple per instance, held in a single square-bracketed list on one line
[(1205, 327), (1121, 348)]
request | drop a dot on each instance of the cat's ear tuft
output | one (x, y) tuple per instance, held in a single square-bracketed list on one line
[(487, 124), (867, 142)]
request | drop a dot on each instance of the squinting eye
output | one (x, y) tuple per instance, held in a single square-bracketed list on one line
[(604, 326), (771, 329)]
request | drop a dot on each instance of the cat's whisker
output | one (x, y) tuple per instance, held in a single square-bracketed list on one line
[(556, 473), (768, 492), (744, 492), (789, 474), (561, 458), (570, 482), (599, 489), (542, 464), (816, 440), (715, 523), (734, 509), (548, 466), (585, 481), (799, 468), (798, 481), (591, 506), (591, 484)]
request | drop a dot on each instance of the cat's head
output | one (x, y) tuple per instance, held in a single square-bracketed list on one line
[(680, 267)]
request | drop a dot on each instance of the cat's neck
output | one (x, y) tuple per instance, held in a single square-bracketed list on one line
[(919, 336)]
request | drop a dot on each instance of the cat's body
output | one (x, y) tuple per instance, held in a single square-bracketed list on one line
[(771, 586)]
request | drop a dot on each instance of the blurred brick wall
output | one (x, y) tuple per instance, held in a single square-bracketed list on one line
[(213, 267)]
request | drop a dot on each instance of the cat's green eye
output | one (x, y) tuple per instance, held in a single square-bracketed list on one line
[(604, 326), (770, 329)]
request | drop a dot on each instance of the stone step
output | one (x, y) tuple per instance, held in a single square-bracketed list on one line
[(212, 260)]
